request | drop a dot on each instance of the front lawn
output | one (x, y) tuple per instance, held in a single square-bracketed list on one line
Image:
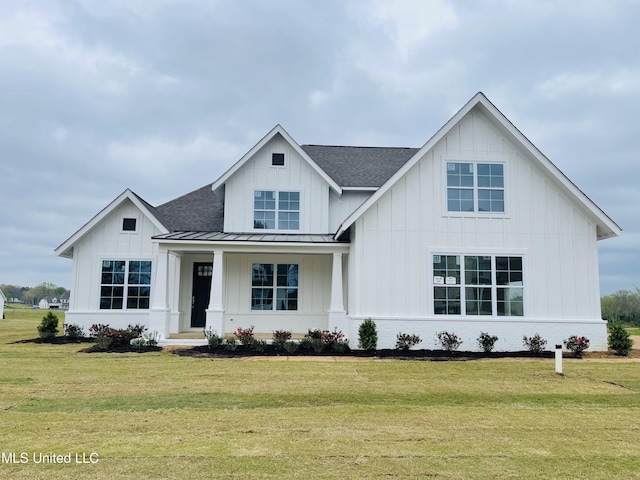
[(159, 415)]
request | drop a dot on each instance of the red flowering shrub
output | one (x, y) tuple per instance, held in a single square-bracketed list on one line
[(244, 335), (576, 344)]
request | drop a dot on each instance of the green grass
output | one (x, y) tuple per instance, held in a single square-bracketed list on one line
[(633, 330), (159, 415)]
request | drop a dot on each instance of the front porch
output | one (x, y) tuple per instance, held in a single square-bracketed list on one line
[(281, 285)]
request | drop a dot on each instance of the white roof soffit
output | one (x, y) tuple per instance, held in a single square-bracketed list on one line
[(606, 226), (65, 249), (275, 131)]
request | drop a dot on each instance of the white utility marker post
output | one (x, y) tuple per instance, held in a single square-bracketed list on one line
[(559, 359)]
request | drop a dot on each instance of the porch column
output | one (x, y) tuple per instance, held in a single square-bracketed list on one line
[(159, 313), (175, 280), (337, 313), (215, 311)]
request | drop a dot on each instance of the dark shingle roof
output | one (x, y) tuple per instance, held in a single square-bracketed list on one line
[(201, 211), (359, 166)]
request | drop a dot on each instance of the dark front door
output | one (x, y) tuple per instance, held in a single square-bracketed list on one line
[(201, 290)]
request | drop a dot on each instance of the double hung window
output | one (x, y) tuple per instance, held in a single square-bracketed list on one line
[(125, 284), (475, 187), (273, 210), (478, 285), (274, 286)]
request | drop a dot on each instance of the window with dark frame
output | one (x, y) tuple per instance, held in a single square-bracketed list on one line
[(125, 284), (478, 285), (129, 224), (277, 159), (274, 287), (475, 187)]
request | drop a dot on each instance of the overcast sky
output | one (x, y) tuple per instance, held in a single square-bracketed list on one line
[(162, 96)]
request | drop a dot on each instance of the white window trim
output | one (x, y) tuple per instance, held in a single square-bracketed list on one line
[(475, 213), (284, 164), (277, 191), (127, 259), (274, 287), (130, 232), (494, 298)]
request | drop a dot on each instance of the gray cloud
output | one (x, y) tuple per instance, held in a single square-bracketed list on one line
[(163, 96)]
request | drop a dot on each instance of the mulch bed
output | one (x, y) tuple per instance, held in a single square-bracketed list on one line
[(243, 352)]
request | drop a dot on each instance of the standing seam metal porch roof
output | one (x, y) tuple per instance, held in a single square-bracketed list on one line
[(247, 237)]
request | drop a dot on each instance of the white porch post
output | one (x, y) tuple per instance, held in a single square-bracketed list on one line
[(215, 311), (175, 280), (159, 313), (337, 313)]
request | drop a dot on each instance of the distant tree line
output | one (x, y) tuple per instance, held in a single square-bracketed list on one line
[(624, 305), (31, 295)]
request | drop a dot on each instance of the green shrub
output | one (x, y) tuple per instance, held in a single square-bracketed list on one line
[(404, 341), (259, 345), (486, 342), (279, 339), (291, 347), (230, 344), (368, 335), (107, 337), (213, 339), (619, 339), (341, 346), (449, 341), (535, 344), (48, 327), (73, 332), (306, 344)]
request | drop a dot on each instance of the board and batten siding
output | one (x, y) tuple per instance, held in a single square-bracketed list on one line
[(107, 241), (394, 239), (258, 174), (314, 293)]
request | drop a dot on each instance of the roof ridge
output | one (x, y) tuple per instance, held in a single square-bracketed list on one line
[(356, 146)]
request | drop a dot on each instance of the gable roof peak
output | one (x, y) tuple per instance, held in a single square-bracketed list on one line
[(278, 129)]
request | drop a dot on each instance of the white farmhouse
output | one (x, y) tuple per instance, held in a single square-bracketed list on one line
[(477, 231)]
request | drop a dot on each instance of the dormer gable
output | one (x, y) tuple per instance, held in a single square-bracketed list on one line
[(276, 187)]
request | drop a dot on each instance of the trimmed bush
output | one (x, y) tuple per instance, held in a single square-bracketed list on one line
[(291, 347), (244, 335), (280, 337), (619, 339), (368, 335), (48, 328), (73, 332), (213, 339), (449, 341), (259, 345), (486, 342), (535, 344), (404, 341), (576, 344), (230, 344)]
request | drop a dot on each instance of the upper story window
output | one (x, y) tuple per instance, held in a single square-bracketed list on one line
[(274, 210), (475, 187), (277, 159)]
